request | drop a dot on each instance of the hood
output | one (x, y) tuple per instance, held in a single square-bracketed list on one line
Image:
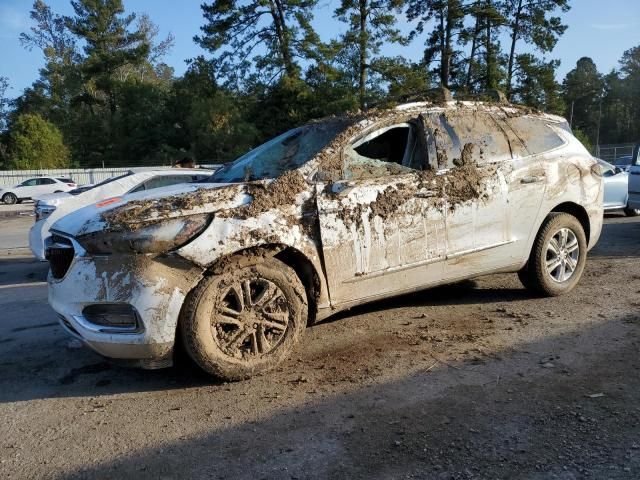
[(121, 213), (53, 199)]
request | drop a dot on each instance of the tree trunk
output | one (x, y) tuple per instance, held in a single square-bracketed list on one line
[(282, 33), (363, 41), (514, 38), (443, 51), (474, 47), (489, 50)]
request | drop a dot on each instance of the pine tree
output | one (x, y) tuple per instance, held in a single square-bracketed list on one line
[(536, 84), (449, 18), (583, 90), (261, 37), (109, 44), (529, 20), (371, 23)]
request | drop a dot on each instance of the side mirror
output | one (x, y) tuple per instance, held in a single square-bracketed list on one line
[(618, 170)]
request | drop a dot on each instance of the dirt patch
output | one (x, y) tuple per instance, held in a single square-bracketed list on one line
[(268, 196), (390, 200), (134, 213)]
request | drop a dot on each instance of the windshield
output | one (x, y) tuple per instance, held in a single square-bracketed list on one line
[(79, 190), (289, 151)]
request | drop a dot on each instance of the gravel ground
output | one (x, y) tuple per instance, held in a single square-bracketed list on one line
[(474, 381)]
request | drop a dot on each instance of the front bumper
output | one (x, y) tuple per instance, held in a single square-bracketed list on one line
[(154, 287)]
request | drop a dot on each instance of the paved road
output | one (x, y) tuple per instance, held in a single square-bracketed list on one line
[(24, 208), (478, 380), (14, 235)]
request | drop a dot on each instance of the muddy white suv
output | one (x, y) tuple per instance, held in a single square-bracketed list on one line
[(330, 215)]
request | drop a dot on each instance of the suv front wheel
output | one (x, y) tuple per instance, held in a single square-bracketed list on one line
[(557, 258), (245, 320), (9, 199)]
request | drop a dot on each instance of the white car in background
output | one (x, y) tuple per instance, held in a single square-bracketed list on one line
[(616, 189), (50, 208), (634, 180), (35, 187)]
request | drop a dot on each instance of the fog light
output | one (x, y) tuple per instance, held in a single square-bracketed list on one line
[(114, 317)]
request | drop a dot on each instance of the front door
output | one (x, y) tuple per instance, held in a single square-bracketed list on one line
[(28, 188), (382, 224)]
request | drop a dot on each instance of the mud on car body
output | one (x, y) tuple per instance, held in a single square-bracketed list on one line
[(333, 214)]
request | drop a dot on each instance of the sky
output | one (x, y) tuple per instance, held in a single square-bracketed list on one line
[(602, 33)]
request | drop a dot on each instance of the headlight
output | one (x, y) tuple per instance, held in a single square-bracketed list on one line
[(43, 211), (596, 170), (151, 237)]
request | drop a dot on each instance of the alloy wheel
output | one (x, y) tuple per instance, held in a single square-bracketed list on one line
[(563, 252), (250, 319)]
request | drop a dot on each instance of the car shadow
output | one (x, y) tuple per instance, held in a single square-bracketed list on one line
[(467, 292), (61, 367), (512, 417)]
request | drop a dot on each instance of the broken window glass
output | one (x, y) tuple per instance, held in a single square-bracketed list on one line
[(391, 150), (286, 152)]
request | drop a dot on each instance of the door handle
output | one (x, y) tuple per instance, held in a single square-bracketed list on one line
[(425, 194), (531, 179)]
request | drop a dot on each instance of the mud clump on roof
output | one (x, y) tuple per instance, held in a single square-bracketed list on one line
[(280, 192)]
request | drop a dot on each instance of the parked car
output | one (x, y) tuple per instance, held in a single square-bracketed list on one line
[(50, 208), (634, 180), (324, 217), (35, 186), (624, 162), (616, 189)]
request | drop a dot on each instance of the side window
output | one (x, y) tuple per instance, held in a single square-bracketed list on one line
[(463, 135), (537, 136), (165, 181), (390, 150), (46, 181), (30, 183)]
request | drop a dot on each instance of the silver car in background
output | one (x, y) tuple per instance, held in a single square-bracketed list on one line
[(616, 189)]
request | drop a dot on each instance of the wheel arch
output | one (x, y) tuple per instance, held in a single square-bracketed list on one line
[(577, 211), (290, 256)]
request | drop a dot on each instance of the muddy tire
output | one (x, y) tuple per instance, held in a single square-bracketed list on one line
[(9, 199), (557, 258), (246, 320)]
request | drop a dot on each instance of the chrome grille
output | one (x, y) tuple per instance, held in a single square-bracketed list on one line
[(60, 255)]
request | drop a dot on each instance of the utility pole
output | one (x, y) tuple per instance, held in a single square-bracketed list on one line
[(571, 116), (599, 118)]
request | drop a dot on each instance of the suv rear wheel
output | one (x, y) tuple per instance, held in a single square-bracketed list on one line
[(631, 212), (558, 256), (245, 320)]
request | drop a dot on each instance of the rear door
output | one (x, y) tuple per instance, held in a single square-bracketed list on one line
[(47, 185), (634, 180), (474, 157)]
